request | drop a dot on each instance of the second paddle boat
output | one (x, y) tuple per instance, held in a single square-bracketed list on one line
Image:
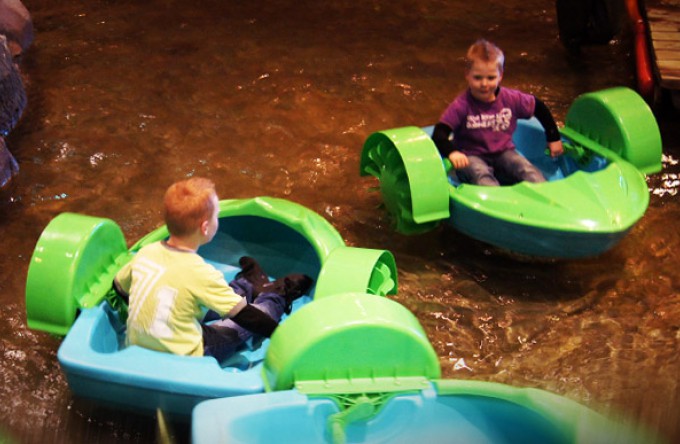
[(592, 198)]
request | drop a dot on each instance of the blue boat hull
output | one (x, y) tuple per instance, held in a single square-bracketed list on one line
[(99, 367), (474, 210), (531, 240), (480, 413)]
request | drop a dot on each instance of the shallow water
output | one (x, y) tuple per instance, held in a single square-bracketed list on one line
[(276, 99)]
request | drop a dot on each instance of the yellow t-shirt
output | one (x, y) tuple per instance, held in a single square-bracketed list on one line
[(167, 288)]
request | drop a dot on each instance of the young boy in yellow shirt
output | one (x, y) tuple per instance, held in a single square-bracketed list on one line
[(167, 283)]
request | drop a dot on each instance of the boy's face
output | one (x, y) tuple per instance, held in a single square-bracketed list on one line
[(483, 79)]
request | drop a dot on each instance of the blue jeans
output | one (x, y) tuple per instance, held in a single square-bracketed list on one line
[(223, 337), (505, 168)]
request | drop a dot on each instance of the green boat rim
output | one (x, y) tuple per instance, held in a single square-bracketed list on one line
[(545, 205), (314, 228), (77, 256)]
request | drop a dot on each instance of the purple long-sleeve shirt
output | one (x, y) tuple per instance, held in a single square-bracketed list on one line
[(487, 127)]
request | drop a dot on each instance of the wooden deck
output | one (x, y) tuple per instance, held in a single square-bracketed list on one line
[(663, 17)]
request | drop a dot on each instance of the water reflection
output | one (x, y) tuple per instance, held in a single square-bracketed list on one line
[(126, 97), (670, 181)]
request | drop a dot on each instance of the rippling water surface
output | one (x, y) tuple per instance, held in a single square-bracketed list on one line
[(276, 98)]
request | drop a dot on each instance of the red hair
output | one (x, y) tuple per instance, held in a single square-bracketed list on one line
[(484, 51), (187, 204)]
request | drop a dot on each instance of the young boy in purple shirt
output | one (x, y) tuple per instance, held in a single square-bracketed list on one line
[(482, 120)]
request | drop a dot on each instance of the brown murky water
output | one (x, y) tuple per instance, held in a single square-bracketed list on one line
[(276, 98)]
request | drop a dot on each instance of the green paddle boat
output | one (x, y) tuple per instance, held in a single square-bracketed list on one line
[(593, 196), (68, 293)]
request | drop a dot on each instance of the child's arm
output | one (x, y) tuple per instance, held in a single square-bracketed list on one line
[(120, 291), (228, 302), (552, 134), (556, 148), (440, 137), (255, 320), (122, 282)]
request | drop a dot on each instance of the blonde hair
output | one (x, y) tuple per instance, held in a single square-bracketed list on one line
[(187, 204), (484, 51)]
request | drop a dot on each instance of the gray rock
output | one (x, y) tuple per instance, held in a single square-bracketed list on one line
[(8, 165), (16, 25), (12, 92), (12, 104)]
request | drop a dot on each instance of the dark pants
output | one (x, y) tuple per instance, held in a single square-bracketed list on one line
[(223, 337)]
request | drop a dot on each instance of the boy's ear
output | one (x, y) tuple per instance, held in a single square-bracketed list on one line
[(204, 227)]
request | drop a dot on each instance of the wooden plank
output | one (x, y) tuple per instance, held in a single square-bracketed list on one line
[(673, 36), (667, 55), (670, 18), (669, 65), (663, 14), (672, 75), (666, 45), (666, 13), (663, 19), (655, 27)]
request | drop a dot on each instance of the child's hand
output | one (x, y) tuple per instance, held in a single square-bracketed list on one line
[(458, 160), (556, 148)]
